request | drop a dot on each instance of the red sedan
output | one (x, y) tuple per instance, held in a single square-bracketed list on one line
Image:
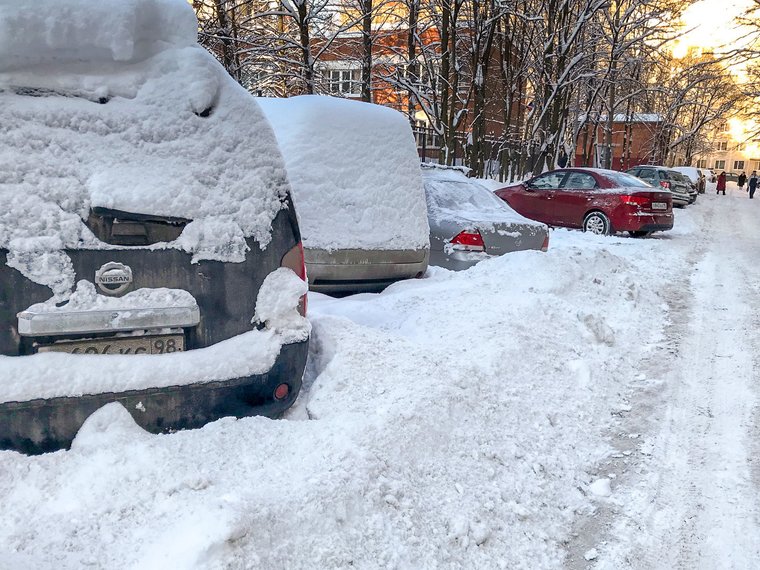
[(595, 200)]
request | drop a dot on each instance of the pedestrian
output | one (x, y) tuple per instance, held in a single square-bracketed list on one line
[(721, 183), (752, 186), (562, 158), (742, 180)]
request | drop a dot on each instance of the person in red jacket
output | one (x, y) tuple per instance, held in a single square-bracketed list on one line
[(722, 183)]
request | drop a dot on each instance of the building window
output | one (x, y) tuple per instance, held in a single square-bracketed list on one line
[(345, 81), (720, 165), (721, 145), (738, 165), (702, 163), (740, 147)]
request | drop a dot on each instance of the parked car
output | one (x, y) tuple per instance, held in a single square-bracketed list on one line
[(732, 176), (357, 185), (711, 176), (666, 178), (695, 175), (147, 221), (690, 186), (469, 224), (595, 200)]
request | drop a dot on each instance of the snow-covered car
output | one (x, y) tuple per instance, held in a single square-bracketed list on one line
[(149, 250), (695, 175), (468, 223), (356, 182), (691, 187), (664, 177)]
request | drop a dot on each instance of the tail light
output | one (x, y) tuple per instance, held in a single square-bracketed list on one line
[(665, 184), (636, 200), (545, 245), (295, 261), (468, 241)]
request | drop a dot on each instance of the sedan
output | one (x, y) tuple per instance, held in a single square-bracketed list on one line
[(469, 224), (594, 200), (666, 178)]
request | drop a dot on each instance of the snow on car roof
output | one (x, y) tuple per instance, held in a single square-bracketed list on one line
[(354, 171), (113, 104)]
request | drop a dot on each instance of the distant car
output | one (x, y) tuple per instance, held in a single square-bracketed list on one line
[(594, 200), (696, 176), (732, 176), (355, 175), (469, 224), (665, 177), (691, 186), (150, 253)]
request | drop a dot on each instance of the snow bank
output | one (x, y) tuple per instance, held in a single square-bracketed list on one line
[(355, 173), (108, 110), (454, 422)]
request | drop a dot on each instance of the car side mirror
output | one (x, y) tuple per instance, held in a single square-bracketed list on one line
[(529, 187)]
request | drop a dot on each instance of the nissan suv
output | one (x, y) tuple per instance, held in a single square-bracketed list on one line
[(150, 254)]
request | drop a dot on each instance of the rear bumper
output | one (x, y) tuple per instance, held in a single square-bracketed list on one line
[(39, 426), (362, 271), (645, 223)]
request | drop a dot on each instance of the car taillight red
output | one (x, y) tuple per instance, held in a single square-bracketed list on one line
[(636, 200), (665, 184), (545, 245), (295, 261), (468, 241)]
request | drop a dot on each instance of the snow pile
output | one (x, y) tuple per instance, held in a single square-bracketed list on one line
[(118, 107), (86, 298), (355, 173), (452, 196), (81, 30), (279, 295), (456, 421)]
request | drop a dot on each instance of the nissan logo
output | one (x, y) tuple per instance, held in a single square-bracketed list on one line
[(113, 278)]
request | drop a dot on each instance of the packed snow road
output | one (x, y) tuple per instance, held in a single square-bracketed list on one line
[(588, 407), (692, 500)]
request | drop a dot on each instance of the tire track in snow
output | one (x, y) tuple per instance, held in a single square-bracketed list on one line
[(694, 505)]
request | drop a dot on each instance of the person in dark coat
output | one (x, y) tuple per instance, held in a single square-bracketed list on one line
[(742, 180), (562, 158), (752, 186), (721, 183)]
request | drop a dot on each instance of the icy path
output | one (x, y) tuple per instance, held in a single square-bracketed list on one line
[(693, 500)]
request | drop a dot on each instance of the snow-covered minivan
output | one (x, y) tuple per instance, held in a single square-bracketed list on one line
[(149, 250), (357, 186)]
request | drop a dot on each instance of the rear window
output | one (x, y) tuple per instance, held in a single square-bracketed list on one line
[(457, 196), (625, 180)]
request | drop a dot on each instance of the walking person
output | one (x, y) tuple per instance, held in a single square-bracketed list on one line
[(752, 185), (721, 183), (742, 180)]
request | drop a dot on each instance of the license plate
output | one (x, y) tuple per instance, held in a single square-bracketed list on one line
[(154, 344), (659, 205)]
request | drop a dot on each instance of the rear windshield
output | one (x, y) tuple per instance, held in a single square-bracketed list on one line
[(458, 196), (625, 180)]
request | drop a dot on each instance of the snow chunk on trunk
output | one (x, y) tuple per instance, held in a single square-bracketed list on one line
[(277, 303)]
